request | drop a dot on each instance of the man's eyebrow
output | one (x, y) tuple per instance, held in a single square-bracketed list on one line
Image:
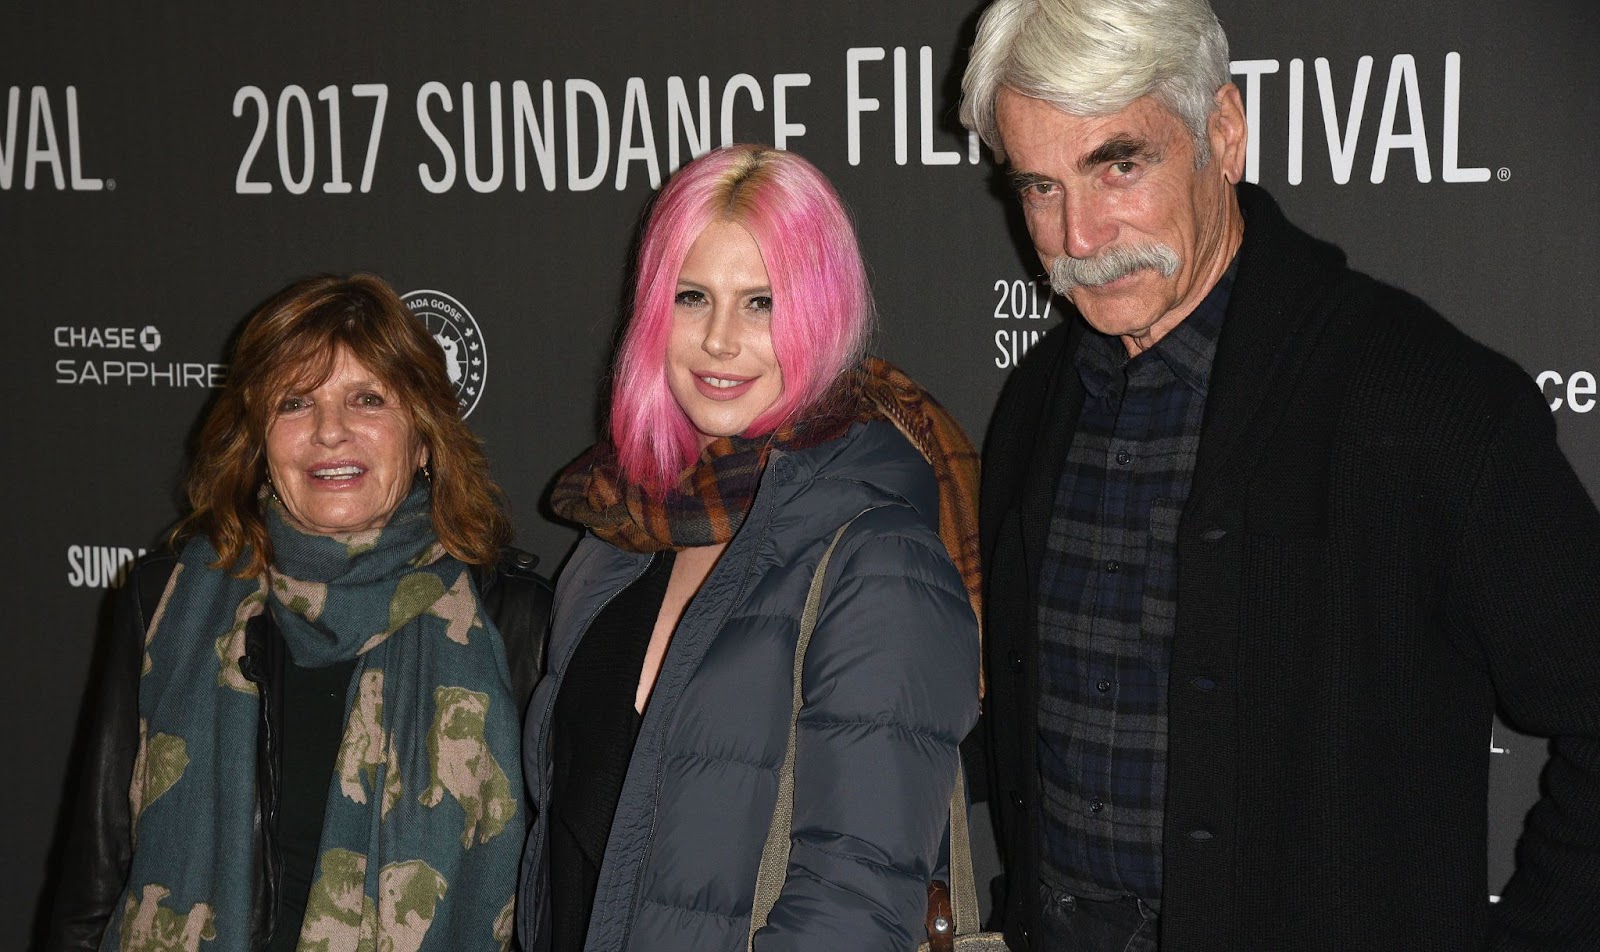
[(1119, 148), (1020, 179)]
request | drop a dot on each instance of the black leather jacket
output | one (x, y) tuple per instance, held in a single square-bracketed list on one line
[(98, 849)]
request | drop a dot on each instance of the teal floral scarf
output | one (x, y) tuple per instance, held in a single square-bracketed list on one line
[(422, 832)]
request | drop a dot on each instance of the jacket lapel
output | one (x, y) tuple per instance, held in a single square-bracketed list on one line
[(1266, 335), (1057, 422)]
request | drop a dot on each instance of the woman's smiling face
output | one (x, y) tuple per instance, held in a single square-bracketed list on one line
[(720, 365), (342, 455)]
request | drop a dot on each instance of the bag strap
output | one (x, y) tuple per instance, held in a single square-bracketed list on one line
[(961, 896), (953, 909), (775, 854)]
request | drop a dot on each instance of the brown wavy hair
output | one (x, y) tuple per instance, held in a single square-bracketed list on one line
[(290, 343)]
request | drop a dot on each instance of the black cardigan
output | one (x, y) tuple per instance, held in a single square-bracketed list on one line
[(98, 846), (1382, 544)]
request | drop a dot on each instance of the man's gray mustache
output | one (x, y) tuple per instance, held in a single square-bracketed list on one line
[(1068, 273)]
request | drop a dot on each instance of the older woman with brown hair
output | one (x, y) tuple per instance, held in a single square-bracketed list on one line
[(308, 733)]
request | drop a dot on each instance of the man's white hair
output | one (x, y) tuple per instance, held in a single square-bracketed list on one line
[(1095, 57)]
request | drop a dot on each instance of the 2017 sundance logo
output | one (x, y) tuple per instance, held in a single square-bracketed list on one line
[(99, 566)]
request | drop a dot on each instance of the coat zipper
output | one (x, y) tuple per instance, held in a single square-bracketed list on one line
[(660, 769)]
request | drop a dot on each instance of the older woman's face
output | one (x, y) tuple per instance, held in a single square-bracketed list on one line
[(720, 365), (342, 455)]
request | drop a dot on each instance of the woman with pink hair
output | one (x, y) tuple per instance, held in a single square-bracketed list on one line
[(775, 526)]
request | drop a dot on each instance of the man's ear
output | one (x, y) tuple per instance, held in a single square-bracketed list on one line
[(1228, 132)]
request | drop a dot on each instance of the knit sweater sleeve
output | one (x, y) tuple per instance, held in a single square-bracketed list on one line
[(1525, 583)]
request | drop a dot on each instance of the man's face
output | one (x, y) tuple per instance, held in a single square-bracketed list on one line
[(1131, 231)]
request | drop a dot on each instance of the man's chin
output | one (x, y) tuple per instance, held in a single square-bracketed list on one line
[(1115, 321)]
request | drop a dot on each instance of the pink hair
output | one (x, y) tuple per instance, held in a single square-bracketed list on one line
[(822, 307)]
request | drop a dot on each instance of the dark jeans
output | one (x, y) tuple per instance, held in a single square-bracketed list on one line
[(1068, 923)]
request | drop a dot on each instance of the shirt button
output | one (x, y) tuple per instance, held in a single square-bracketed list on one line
[(1113, 566), (1016, 660), (1095, 806), (1124, 458), (1102, 685)]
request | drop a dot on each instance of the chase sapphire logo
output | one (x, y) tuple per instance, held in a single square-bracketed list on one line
[(458, 335)]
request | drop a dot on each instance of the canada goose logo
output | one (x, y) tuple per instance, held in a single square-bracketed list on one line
[(458, 335)]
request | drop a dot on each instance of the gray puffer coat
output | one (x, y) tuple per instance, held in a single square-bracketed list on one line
[(890, 685)]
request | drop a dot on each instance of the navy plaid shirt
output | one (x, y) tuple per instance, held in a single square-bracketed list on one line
[(1108, 600)]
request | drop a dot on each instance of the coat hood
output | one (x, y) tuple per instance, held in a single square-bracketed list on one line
[(871, 465)]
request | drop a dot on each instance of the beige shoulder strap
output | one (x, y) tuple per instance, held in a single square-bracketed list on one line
[(775, 854)]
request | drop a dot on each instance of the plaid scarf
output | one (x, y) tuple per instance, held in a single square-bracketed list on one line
[(712, 497)]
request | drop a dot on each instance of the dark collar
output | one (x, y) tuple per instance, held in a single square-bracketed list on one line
[(1288, 283), (1187, 350)]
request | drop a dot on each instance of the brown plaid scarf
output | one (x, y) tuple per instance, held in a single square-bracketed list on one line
[(714, 494)]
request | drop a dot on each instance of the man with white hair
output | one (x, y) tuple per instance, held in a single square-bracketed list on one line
[(1267, 543)]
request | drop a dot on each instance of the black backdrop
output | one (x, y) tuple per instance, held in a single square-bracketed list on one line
[(162, 170)]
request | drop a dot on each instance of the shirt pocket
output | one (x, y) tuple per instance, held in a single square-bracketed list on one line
[(1159, 609)]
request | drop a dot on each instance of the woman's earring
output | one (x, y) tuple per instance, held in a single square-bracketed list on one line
[(272, 490), (427, 472)]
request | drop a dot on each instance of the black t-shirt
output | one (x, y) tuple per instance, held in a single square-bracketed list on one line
[(592, 735), (310, 729)]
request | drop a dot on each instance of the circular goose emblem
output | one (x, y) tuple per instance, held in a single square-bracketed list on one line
[(458, 335)]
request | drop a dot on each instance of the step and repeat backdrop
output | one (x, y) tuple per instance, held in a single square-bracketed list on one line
[(165, 168)]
